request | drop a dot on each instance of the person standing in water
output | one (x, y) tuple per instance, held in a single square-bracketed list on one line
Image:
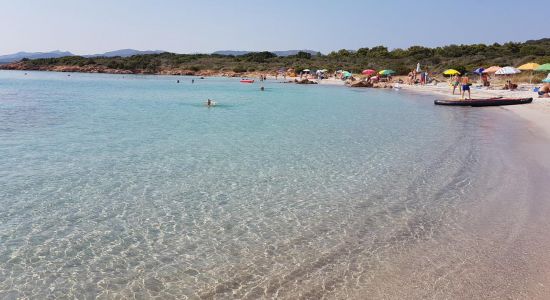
[(192, 80), (455, 83), (466, 86)]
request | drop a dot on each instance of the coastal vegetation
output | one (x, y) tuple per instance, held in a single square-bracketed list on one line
[(459, 57)]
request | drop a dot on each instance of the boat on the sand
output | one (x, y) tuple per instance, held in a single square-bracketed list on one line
[(483, 101)]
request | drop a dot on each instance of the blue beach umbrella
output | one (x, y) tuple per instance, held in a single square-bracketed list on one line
[(479, 71)]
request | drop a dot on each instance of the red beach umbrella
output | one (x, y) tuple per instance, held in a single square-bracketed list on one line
[(368, 72)]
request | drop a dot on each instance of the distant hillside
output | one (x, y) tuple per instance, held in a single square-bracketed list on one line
[(278, 53), (125, 53), (4, 59), (464, 58), (32, 55)]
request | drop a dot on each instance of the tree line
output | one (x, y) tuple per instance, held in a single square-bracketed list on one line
[(460, 57)]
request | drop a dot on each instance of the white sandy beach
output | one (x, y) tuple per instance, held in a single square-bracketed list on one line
[(537, 112)]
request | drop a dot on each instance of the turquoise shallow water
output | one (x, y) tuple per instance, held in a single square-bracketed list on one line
[(129, 186)]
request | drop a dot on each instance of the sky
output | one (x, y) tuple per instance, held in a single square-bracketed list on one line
[(193, 26)]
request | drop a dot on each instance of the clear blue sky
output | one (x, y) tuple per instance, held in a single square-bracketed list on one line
[(187, 26)]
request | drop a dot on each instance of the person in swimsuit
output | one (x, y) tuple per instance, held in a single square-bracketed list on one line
[(455, 83), (466, 86)]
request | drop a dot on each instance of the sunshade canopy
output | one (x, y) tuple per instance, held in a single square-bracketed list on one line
[(451, 72), (528, 66), (492, 69), (386, 72), (545, 67), (507, 71), (479, 71), (368, 72)]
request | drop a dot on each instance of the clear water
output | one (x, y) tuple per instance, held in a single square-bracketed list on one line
[(128, 186)]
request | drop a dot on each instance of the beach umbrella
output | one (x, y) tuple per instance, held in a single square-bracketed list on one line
[(346, 74), (386, 72), (479, 71), (546, 80), (492, 69), (507, 71), (529, 67), (545, 67), (368, 72), (451, 72), (306, 70)]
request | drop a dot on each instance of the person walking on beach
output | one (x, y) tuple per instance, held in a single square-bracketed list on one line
[(466, 86)]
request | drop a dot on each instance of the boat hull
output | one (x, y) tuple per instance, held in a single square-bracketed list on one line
[(484, 102)]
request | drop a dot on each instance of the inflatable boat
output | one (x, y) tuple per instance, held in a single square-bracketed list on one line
[(484, 101), (245, 80)]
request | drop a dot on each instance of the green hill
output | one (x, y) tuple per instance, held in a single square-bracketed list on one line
[(460, 57)]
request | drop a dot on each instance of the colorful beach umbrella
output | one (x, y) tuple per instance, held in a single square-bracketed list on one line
[(507, 71), (386, 72), (346, 74), (479, 71), (451, 72), (528, 67), (492, 69), (545, 67), (368, 72)]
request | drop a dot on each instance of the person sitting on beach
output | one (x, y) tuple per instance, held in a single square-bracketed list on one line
[(456, 83), (544, 91), (466, 86), (510, 86)]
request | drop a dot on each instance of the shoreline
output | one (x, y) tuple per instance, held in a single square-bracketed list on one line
[(537, 112)]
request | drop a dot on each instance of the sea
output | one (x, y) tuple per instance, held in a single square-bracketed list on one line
[(130, 187)]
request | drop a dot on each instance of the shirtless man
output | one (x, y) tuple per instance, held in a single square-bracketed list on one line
[(465, 86), (455, 83)]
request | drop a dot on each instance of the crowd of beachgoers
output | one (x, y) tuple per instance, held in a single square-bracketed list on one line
[(480, 81)]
